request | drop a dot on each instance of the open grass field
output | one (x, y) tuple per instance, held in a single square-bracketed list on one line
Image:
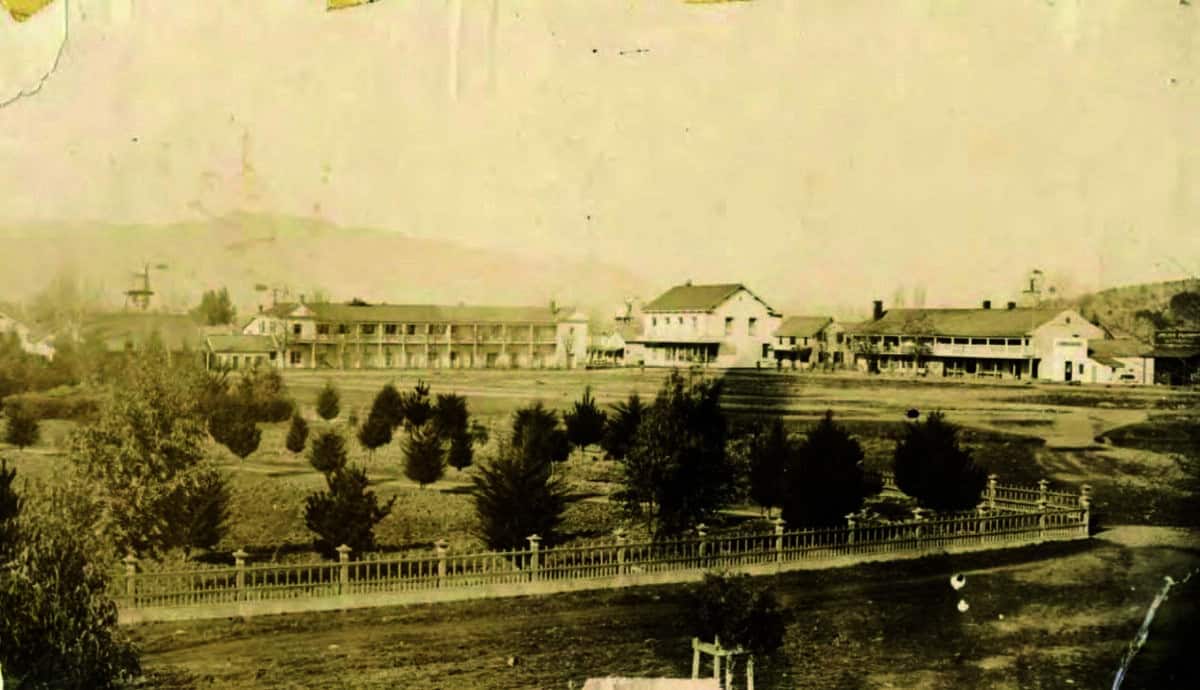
[(1051, 617)]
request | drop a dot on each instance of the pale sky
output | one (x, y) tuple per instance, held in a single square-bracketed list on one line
[(822, 151)]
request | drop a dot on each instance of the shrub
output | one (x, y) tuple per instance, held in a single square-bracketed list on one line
[(203, 511), (377, 431), (10, 509), (389, 405), (535, 433), (460, 454), (585, 422), (233, 427), (740, 613), (424, 455), (517, 496), (328, 402), (297, 435), (328, 452), (416, 406), (824, 478), (21, 428), (265, 395), (60, 403), (933, 468), (622, 426), (345, 513)]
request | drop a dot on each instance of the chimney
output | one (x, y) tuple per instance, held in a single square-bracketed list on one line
[(1012, 305), (877, 310), (987, 304)]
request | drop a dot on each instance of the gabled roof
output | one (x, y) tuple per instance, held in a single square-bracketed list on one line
[(242, 343), (802, 326), (959, 322), (689, 297), (428, 313), (1117, 347)]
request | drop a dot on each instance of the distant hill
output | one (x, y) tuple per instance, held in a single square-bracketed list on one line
[(240, 251), (1118, 307)]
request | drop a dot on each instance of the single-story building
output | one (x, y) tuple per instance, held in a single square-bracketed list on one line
[(241, 351)]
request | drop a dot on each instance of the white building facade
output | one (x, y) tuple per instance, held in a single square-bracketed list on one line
[(723, 325)]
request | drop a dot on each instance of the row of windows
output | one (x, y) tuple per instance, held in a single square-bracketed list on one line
[(751, 323), (409, 329)]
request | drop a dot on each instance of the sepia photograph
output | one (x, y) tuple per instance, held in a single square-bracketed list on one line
[(599, 344)]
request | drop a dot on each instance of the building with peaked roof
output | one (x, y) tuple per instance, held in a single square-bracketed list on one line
[(1045, 344), (805, 341), (241, 351), (353, 336), (1176, 355), (1119, 360), (722, 325)]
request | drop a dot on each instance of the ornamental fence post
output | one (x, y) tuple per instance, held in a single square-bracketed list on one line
[(343, 553), (239, 562), (534, 544)]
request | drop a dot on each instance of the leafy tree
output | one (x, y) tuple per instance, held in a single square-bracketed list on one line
[(327, 453), (328, 402), (770, 453), (424, 455), (297, 435), (59, 628), (345, 513), (622, 427), (233, 427), (535, 431), (824, 477), (677, 474), (739, 612), (10, 509), (143, 453), (933, 468), (585, 422), (215, 308), (264, 394), (22, 429), (376, 432), (1185, 307), (516, 496)]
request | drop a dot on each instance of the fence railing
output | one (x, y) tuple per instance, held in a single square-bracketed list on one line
[(245, 589)]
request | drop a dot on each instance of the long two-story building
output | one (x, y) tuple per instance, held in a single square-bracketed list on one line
[(355, 336), (1045, 344), (724, 326)]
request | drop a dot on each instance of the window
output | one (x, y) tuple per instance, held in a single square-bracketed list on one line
[(654, 321), (272, 355), (793, 340), (678, 320), (695, 323), (367, 329), (389, 329), (410, 329), (728, 325), (343, 329), (295, 356), (322, 329), (296, 329), (234, 361), (1081, 367), (840, 338), (262, 326), (752, 325)]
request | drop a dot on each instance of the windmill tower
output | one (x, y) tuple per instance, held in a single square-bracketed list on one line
[(139, 295), (1031, 296)]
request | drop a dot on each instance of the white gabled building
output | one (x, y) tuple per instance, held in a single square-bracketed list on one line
[(724, 326), (1045, 344)]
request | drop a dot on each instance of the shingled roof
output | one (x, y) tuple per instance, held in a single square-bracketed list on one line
[(428, 313), (688, 297), (241, 343), (802, 326), (981, 323)]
